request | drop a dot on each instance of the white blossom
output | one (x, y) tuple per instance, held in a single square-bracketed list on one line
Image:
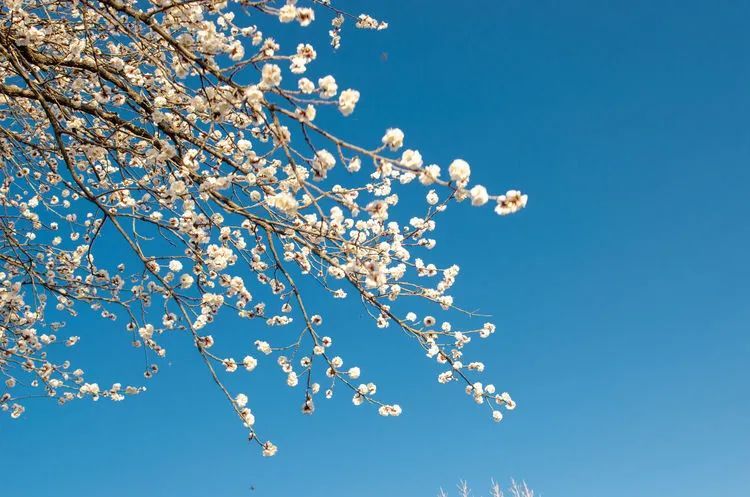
[(393, 138), (347, 101), (249, 363), (459, 171), (479, 195), (271, 75), (329, 88), (510, 203), (288, 13)]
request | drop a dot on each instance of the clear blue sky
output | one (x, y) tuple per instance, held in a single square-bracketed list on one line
[(624, 338)]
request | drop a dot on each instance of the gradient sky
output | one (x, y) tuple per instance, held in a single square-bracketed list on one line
[(620, 294)]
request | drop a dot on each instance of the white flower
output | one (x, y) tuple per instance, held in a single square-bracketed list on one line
[(17, 410), (291, 379), (175, 266), (244, 145), (328, 87), (347, 101), (247, 416), (249, 362), (241, 400), (90, 389), (230, 365), (390, 410), (430, 174), (393, 138), (305, 16), (507, 400), (287, 13), (497, 416), (205, 342), (411, 159), (323, 162), (445, 377), (354, 165), (479, 195), (510, 203), (263, 347), (271, 75), (284, 202), (459, 171), (269, 449), (252, 95), (236, 51), (186, 281), (299, 65), (306, 86)]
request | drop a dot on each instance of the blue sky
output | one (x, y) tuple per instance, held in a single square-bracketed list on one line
[(620, 294)]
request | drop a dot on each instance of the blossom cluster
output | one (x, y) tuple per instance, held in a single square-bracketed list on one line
[(186, 134)]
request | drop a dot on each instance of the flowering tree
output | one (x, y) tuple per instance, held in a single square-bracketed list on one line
[(515, 490), (181, 131)]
